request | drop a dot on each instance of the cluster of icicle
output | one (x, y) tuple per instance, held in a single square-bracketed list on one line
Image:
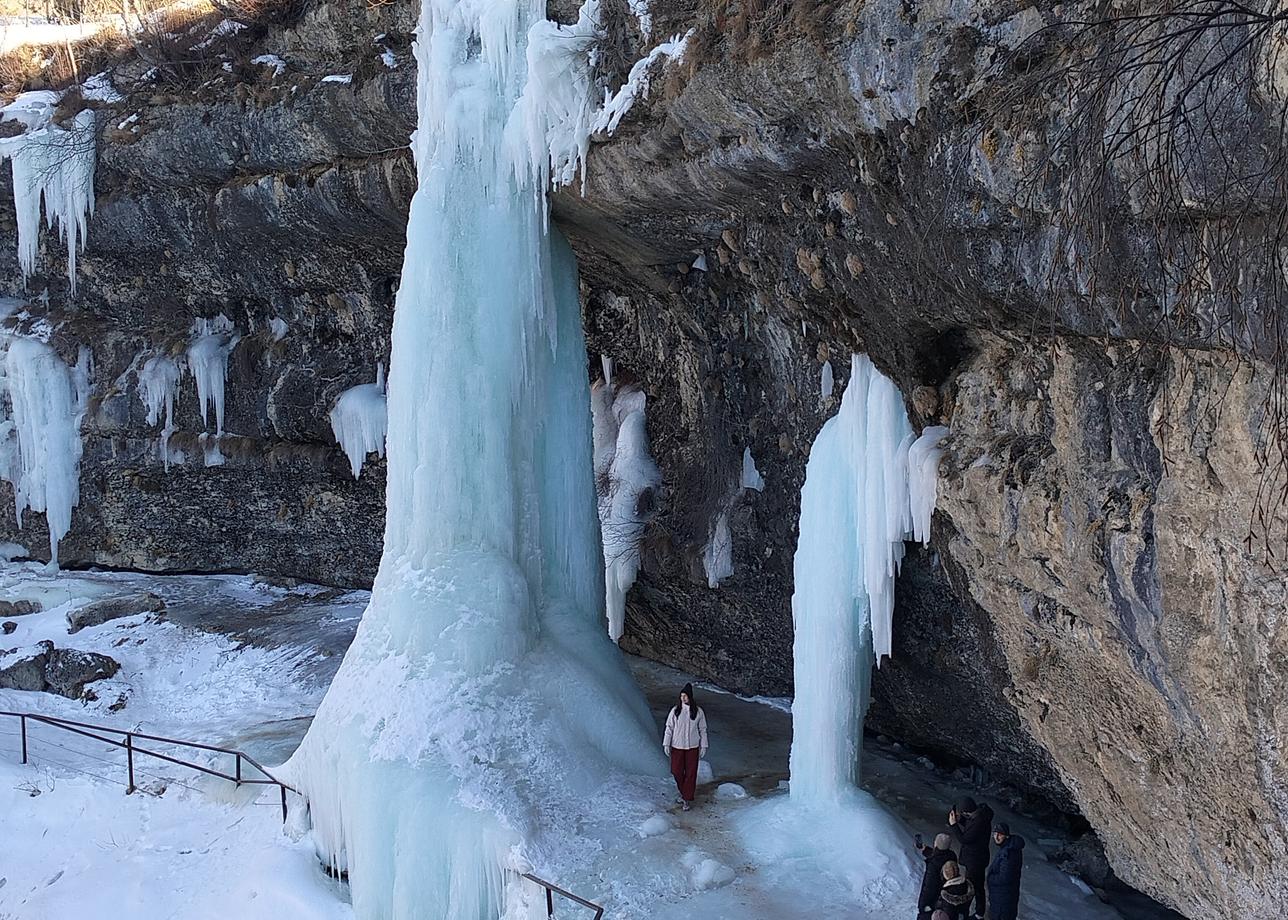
[(52, 164), (870, 484), (206, 358), (360, 421), (626, 479), (40, 446), (459, 727)]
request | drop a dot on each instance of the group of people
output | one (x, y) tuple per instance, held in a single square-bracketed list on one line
[(954, 879), (973, 875)]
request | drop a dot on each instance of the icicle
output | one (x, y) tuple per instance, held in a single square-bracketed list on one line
[(923, 479), (208, 355), (360, 421), (158, 383), (53, 165), (717, 556), (48, 401), (825, 382), (607, 364)]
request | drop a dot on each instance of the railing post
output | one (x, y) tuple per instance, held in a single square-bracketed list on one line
[(129, 760), (23, 720), (239, 768), (283, 788), (550, 903)]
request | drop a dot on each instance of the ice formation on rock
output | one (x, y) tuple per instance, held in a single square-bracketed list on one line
[(53, 164), (751, 478), (360, 421), (626, 479), (48, 400), (923, 479), (717, 556), (856, 512), (638, 83), (158, 384), (457, 730), (825, 382), (213, 341)]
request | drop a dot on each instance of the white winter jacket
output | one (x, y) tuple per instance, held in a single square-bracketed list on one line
[(685, 733)]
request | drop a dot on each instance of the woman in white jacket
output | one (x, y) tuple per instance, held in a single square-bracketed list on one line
[(685, 743)]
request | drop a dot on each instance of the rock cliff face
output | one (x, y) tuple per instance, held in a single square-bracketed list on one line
[(1088, 622)]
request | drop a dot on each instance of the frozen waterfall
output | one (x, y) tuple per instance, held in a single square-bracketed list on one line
[(858, 505), (460, 728)]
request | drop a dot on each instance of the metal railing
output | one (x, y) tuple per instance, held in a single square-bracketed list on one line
[(552, 890), (129, 741)]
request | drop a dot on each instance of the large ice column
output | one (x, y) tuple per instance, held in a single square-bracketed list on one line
[(52, 164), (480, 698), (856, 512), (627, 480), (48, 400)]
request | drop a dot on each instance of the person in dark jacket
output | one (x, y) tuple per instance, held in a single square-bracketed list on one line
[(1004, 874), (973, 824), (956, 895), (933, 880)]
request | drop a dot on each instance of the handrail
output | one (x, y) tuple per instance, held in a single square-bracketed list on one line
[(89, 730), (553, 889)]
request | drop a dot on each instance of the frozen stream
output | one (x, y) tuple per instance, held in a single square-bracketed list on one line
[(239, 662)]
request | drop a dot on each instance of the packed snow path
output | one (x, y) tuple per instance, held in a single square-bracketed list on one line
[(243, 663)]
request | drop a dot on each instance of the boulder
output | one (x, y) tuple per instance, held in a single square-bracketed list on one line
[(45, 668), (19, 608), (8, 626), (113, 608)]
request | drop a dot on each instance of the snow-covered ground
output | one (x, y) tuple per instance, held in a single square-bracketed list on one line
[(242, 663)]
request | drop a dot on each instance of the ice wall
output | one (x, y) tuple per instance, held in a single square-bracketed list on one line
[(480, 699), (54, 165), (48, 400), (360, 420), (626, 479), (856, 511)]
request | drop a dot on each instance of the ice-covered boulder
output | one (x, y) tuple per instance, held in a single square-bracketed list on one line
[(18, 608), (113, 608), (64, 671)]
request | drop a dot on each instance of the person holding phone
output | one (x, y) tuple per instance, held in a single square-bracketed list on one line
[(933, 880), (973, 825)]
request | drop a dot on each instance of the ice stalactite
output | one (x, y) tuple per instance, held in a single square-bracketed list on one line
[(53, 164), (751, 478), (48, 400), (717, 555), (825, 381), (360, 420), (213, 341), (626, 479), (480, 701), (923, 479), (158, 385), (857, 508)]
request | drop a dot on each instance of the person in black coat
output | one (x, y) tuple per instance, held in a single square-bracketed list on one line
[(933, 880), (973, 825), (1004, 874), (956, 895)]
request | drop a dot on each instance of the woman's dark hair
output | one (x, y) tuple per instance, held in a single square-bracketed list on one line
[(693, 704)]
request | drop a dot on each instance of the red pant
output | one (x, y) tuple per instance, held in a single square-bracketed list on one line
[(684, 767)]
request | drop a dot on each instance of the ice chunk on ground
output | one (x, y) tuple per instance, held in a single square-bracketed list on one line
[(730, 791), (213, 341), (751, 478), (704, 772), (710, 874), (360, 421), (99, 88), (656, 826)]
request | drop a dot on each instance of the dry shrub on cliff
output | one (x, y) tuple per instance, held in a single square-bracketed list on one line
[(1166, 180)]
